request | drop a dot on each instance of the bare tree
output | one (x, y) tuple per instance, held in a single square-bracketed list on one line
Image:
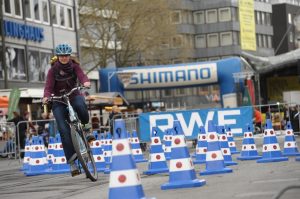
[(124, 32)]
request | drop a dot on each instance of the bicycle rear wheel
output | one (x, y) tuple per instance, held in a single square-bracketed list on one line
[(84, 153)]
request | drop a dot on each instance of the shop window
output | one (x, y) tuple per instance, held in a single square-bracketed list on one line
[(27, 4), (176, 17), (211, 16), (45, 11), (7, 7), (54, 14), (15, 59), (33, 66), (36, 10), (224, 14), (226, 38), (62, 15), (70, 17), (200, 41), (212, 40), (199, 17), (18, 8)]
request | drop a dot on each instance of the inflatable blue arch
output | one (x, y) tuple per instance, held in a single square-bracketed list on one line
[(176, 76)]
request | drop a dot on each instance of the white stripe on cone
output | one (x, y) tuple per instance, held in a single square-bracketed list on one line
[(249, 147), (201, 150), (155, 141), (225, 151), (202, 137), (157, 157), (96, 144), (98, 158), (37, 161), (135, 140), (231, 144), (136, 151), (212, 137), (248, 135), (178, 141), (271, 147), (121, 147), (124, 178), (214, 155), (290, 145), (289, 132), (183, 164), (223, 138), (107, 153), (60, 160), (26, 159), (37, 148), (269, 133)]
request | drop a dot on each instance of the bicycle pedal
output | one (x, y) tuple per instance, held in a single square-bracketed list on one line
[(75, 173)]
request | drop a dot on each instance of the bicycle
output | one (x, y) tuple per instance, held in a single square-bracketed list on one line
[(81, 145)]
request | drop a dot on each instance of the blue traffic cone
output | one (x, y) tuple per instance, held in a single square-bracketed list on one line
[(38, 164), (98, 153), (107, 148), (231, 141), (157, 162), (26, 158), (136, 148), (125, 180), (50, 156), (290, 144), (225, 147), (214, 158), (60, 162), (182, 172), (167, 144), (271, 150), (249, 151), (201, 147)]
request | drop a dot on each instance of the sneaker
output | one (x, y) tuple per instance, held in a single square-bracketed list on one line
[(88, 135), (74, 169)]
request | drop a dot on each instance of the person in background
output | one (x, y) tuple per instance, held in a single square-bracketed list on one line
[(20, 130), (257, 120), (95, 122), (115, 114)]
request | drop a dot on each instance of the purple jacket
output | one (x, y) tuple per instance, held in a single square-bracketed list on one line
[(56, 82)]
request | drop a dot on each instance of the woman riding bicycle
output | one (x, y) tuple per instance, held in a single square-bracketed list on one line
[(61, 78)]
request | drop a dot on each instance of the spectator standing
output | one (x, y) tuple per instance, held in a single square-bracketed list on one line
[(95, 122), (115, 114), (20, 130)]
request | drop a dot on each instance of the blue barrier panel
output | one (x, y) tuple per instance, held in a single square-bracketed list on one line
[(191, 120)]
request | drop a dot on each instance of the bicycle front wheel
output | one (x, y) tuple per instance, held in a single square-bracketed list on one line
[(84, 153)]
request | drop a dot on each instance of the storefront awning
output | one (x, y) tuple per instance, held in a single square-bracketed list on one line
[(25, 92), (107, 98)]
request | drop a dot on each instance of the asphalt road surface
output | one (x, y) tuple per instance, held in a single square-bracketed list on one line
[(249, 180)]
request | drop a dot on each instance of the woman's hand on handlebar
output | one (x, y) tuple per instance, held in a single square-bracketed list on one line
[(87, 84), (45, 100)]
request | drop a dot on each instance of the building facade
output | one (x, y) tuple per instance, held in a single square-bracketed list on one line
[(211, 31), (32, 29)]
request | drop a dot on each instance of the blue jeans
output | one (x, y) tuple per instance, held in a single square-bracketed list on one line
[(61, 116)]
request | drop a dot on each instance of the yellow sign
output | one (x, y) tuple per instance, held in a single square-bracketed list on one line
[(247, 25)]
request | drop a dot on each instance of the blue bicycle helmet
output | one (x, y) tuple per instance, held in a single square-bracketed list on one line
[(63, 49)]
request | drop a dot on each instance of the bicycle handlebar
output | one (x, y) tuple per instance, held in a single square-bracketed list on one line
[(67, 94)]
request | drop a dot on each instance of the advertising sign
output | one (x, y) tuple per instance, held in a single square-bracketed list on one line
[(191, 120)]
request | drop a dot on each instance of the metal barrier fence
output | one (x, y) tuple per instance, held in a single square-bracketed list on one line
[(7, 139), (33, 128)]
